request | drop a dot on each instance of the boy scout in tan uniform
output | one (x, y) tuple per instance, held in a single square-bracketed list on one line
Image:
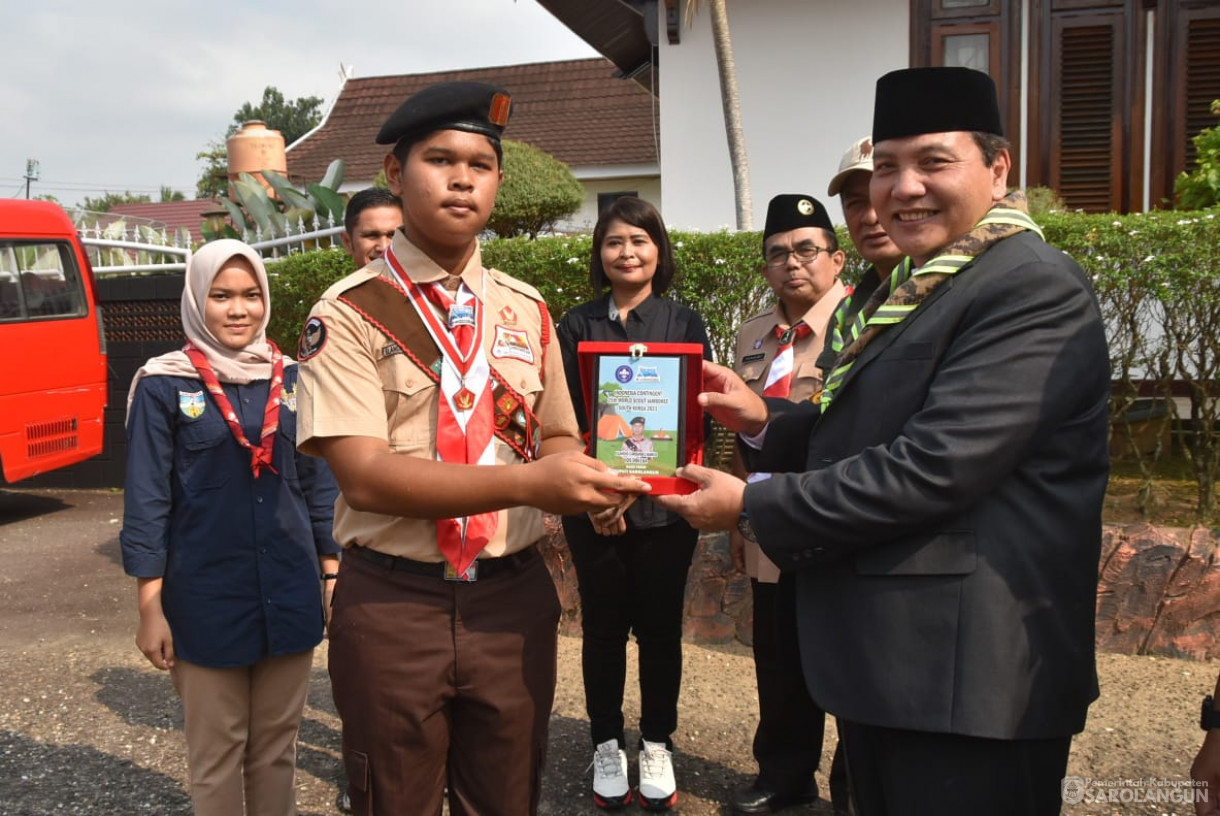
[(419, 373), (777, 355)]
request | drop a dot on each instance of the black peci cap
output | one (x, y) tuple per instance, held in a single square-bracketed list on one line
[(795, 210), (476, 107), (915, 101)]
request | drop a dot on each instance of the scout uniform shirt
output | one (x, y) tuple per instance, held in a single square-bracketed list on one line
[(356, 381), (757, 344)]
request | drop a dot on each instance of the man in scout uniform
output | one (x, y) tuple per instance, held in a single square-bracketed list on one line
[(777, 357), (941, 507), (369, 222), (431, 386), (871, 240), (372, 217)]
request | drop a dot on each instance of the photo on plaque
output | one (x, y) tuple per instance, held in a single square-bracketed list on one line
[(640, 410)]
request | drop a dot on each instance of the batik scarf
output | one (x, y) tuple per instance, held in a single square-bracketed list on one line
[(910, 286)]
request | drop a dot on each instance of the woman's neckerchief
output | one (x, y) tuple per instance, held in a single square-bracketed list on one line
[(261, 455), (908, 287)]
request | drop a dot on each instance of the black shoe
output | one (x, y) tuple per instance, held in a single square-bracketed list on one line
[(757, 799), (344, 802)]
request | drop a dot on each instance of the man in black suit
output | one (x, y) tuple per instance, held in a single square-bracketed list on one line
[(942, 504)]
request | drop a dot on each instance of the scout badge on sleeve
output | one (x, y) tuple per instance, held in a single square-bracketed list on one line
[(313, 338)]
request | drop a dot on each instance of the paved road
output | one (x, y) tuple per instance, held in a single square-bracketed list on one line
[(88, 727)]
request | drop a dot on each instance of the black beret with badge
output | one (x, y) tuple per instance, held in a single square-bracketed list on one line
[(475, 107), (791, 211), (915, 101)]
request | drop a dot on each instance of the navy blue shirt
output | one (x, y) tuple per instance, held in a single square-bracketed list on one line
[(655, 320), (239, 555)]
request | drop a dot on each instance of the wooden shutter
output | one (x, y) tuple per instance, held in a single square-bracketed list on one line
[(1000, 20), (1187, 79), (1202, 85), (1086, 156)]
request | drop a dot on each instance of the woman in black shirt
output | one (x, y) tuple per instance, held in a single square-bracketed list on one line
[(632, 569)]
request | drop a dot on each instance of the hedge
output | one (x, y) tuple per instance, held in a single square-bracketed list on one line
[(720, 273), (1157, 277)]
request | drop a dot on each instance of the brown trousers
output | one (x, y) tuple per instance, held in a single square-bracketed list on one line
[(241, 733), (444, 683)]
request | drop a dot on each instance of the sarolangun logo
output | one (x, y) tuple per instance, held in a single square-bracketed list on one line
[(1071, 790)]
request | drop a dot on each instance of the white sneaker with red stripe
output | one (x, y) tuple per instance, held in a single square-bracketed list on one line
[(658, 790), (611, 790)]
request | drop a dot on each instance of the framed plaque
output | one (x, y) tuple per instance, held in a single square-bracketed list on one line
[(642, 415)]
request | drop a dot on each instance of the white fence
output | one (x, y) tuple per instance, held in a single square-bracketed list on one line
[(118, 249), (294, 241)]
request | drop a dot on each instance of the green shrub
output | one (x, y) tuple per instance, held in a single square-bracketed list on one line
[(558, 267), (1157, 277), (538, 190), (1200, 188), (296, 284), (719, 275), (1043, 200)]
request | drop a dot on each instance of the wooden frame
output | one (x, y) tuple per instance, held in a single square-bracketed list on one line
[(930, 21)]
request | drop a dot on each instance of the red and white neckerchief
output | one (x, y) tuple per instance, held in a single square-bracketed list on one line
[(262, 455), (465, 429), (779, 376)]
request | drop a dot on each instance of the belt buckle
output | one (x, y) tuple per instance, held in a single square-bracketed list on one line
[(469, 576)]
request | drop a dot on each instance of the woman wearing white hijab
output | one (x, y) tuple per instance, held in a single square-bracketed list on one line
[(228, 532)]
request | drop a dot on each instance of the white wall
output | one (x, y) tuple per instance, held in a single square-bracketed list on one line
[(806, 70), (646, 187)]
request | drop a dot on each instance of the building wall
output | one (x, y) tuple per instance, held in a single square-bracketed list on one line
[(646, 187), (826, 55)]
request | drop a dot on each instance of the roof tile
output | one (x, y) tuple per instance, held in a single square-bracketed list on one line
[(576, 110)]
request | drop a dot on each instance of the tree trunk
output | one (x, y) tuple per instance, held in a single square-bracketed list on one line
[(732, 114)]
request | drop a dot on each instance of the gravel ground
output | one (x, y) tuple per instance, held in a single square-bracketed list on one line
[(88, 727)]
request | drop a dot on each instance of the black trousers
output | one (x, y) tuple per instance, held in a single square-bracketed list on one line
[(633, 583), (788, 741), (914, 773)]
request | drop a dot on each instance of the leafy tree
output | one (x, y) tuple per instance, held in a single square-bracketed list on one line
[(1200, 188), (107, 201), (538, 190), (292, 119), (213, 179)]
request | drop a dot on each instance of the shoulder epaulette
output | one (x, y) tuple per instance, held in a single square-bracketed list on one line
[(769, 313), (515, 284), (351, 281)]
